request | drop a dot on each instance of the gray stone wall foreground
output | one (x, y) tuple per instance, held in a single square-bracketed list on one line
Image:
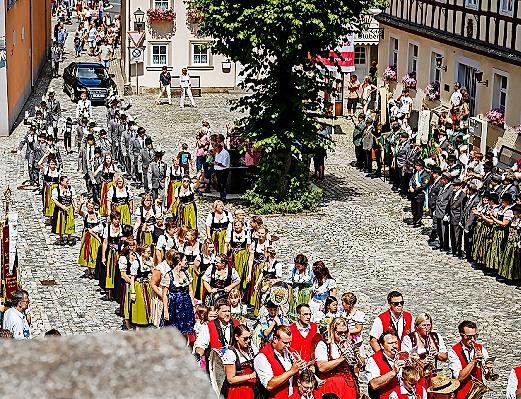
[(143, 364)]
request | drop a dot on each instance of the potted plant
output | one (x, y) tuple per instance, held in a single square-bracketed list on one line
[(409, 80), (194, 15), (389, 74), (496, 117), (432, 91), (161, 15)]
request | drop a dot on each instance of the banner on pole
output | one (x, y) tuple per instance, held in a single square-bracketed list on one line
[(346, 60)]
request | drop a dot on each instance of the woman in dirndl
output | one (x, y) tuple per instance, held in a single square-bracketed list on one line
[(191, 249), (301, 279), (339, 378), (238, 365), (217, 223), (510, 267), (120, 198), (323, 286), (90, 239), (500, 220), (186, 210), (480, 230), (109, 254), (221, 277), (159, 272), (106, 172), (174, 174), (51, 178), (256, 260), (136, 303), (64, 198), (178, 297), (166, 241), (238, 248), (146, 215), (205, 260)]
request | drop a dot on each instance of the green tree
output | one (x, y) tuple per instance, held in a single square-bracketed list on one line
[(274, 40)]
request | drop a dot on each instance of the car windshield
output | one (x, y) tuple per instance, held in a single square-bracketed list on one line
[(91, 73)]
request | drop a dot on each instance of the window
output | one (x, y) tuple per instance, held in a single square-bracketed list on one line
[(435, 74), (393, 52), (471, 4), (159, 54), (413, 57), (500, 92), (200, 54), (360, 55), (507, 7), (161, 4)]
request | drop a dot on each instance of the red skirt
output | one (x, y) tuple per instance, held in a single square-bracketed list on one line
[(343, 385), (244, 390)]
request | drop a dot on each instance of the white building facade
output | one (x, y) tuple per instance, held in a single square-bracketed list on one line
[(171, 38)]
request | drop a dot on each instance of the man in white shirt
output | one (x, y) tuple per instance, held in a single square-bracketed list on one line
[(221, 167), (185, 84), (406, 105), (514, 383), (15, 318), (217, 333), (455, 98), (274, 366), (468, 358)]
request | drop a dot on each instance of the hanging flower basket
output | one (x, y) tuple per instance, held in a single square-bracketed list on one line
[(161, 14), (409, 80), (432, 91), (389, 74), (194, 16), (496, 117)]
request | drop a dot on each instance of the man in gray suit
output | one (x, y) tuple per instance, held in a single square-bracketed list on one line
[(136, 145), (456, 205), (434, 190), (418, 185), (145, 158), (157, 173), (468, 217), (87, 162), (440, 212)]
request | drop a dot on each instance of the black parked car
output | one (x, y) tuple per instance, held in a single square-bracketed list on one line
[(90, 76)]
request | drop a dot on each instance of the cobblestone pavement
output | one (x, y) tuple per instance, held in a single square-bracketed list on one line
[(358, 232)]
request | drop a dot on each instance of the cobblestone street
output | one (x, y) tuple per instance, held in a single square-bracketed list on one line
[(358, 232)]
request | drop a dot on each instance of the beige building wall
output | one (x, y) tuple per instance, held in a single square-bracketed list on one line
[(179, 38), (452, 58)]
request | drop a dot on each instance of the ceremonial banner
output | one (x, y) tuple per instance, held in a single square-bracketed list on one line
[(346, 48)]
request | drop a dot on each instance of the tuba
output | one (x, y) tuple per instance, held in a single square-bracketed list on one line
[(477, 389)]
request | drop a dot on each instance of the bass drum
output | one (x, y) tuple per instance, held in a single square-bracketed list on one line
[(216, 370)]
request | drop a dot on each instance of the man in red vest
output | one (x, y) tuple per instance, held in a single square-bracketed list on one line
[(408, 386), (303, 332), (395, 318), (382, 367), (275, 367), (217, 333), (514, 383), (467, 358)]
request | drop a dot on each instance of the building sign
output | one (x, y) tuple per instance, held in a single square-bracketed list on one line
[(346, 60), (370, 35)]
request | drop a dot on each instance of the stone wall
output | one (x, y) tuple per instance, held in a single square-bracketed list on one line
[(144, 364)]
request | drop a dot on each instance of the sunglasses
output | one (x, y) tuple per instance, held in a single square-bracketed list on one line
[(467, 336), (399, 303), (342, 333), (246, 339)]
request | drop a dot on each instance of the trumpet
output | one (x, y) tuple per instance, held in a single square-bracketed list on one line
[(488, 371)]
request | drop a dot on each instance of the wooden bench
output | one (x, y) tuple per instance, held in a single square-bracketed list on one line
[(196, 86)]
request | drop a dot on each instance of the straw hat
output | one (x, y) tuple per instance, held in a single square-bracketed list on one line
[(443, 385)]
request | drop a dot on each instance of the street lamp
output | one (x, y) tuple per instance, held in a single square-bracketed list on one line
[(139, 19), (439, 63)]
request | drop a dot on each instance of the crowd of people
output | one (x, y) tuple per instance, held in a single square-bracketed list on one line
[(279, 332), (475, 207), (96, 34)]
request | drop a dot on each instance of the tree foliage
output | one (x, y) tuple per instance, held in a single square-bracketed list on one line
[(275, 41)]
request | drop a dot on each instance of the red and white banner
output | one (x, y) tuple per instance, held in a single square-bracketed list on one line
[(346, 48)]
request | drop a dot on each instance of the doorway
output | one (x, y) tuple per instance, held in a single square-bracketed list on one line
[(467, 79)]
